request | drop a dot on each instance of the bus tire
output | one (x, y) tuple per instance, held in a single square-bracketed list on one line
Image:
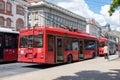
[(69, 59)]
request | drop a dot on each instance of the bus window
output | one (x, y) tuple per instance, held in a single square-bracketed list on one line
[(7, 41), (50, 43), (1, 41), (30, 41), (23, 41), (38, 41), (74, 44), (1, 47), (89, 45), (14, 41), (11, 41), (101, 44), (68, 45)]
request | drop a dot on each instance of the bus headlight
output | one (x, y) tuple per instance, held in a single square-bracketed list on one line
[(21, 52)]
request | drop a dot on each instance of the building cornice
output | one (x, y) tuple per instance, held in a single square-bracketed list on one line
[(53, 6), (22, 2)]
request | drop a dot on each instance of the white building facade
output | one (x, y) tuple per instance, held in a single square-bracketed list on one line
[(13, 14), (92, 27), (44, 13)]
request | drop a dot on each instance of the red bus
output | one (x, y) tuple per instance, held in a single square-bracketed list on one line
[(50, 45), (111, 45), (8, 45), (102, 42)]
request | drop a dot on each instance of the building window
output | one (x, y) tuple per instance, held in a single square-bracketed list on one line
[(19, 24), (20, 10), (8, 22), (9, 7), (2, 4), (1, 21)]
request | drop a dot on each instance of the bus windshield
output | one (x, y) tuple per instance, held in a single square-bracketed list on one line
[(29, 41), (38, 41), (101, 44), (23, 41)]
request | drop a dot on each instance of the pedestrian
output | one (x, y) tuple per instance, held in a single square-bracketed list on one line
[(106, 52)]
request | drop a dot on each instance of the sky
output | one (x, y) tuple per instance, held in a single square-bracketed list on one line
[(95, 5), (97, 9)]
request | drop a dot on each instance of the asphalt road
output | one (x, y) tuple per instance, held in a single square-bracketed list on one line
[(93, 69), (15, 68), (10, 69)]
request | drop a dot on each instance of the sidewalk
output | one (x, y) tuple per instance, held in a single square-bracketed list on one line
[(93, 69), (114, 57)]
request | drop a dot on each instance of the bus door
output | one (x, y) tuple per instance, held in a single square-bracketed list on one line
[(1, 47), (81, 49), (59, 50)]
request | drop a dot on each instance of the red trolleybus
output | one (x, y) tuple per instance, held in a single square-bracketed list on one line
[(102, 42), (111, 45), (50, 45), (8, 45)]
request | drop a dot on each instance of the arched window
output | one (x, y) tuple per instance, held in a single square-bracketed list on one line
[(8, 22), (1, 21), (19, 24)]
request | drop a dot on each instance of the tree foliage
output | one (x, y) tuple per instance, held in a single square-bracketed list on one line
[(113, 6)]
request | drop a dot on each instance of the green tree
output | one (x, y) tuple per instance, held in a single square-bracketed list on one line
[(113, 6)]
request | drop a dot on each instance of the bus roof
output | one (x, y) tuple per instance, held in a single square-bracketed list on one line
[(111, 41), (6, 30), (102, 39), (62, 31), (72, 33)]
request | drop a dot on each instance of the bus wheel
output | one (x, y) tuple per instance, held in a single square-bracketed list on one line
[(69, 59)]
